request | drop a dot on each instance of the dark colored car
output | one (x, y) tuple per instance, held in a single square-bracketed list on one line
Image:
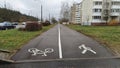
[(15, 23), (6, 25)]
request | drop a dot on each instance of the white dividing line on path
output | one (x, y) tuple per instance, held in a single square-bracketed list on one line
[(59, 43)]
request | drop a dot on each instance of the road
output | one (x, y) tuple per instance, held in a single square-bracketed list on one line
[(70, 49)]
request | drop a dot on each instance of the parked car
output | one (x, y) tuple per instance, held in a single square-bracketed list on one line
[(15, 23), (23, 23), (6, 25)]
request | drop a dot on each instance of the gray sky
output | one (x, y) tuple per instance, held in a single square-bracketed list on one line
[(32, 7)]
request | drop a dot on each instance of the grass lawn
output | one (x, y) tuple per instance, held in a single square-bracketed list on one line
[(14, 39), (109, 35)]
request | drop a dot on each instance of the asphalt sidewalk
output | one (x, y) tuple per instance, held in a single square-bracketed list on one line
[(61, 47), (64, 43)]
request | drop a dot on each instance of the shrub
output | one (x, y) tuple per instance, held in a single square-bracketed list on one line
[(22, 29), (33, 26), (46, 23), (113, 23)]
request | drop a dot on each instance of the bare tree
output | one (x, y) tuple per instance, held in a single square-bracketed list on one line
[(119, 16), (7, 5), (65, 11), (1, 5), (106, 10)]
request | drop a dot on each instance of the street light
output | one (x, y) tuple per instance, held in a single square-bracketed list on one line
[(41, 12)]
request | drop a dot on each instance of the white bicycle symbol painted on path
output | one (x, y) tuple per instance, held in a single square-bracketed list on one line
[(35, 51)]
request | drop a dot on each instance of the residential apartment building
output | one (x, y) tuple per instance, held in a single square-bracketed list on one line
[(72, 13), (78, 13), (75, 13), (99, 12)]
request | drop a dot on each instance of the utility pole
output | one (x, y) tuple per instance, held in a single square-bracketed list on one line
[(41, 13)]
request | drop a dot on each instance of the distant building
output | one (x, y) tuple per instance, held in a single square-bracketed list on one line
[(99, 12), (78, 13), (75, 13)]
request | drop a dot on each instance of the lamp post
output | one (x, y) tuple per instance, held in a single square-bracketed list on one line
[(41, 12)]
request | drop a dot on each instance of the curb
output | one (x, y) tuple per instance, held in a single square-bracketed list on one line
[(4, 51), (4, 61), (70, 59)]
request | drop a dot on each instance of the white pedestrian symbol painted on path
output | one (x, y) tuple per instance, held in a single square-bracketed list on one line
[(86, 49), (35, 51)]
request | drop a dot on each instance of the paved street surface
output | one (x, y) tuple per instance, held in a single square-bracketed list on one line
[(88, 63), (61, 47)]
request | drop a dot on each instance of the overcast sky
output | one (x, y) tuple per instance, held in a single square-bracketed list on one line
[(32, 7)]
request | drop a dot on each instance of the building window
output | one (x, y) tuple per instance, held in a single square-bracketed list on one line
[(97, 10), (115, 10), (97, 3), (115, 3), (96, 17)]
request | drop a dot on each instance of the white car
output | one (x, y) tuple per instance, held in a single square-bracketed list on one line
[(23, 23)]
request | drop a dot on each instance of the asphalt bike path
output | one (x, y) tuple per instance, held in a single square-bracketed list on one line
[(61, 42)]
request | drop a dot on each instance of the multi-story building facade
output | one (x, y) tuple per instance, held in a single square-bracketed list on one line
[(100, 12), (72, 13), (78, 13), (75, 13)]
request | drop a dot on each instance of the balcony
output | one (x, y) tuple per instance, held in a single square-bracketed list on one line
[(97, 0), (116, 0), (97, 7), (97, 14), (115, 7), (115, 14), (97, 20)]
